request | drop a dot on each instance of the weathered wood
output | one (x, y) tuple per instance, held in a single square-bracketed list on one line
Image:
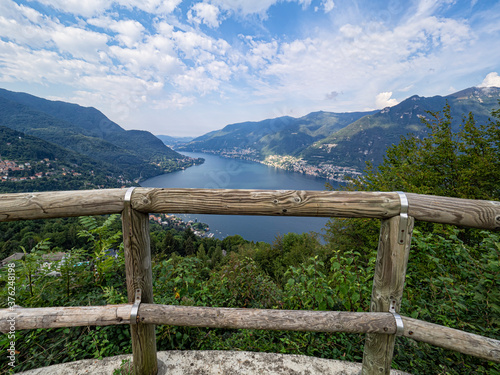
[(213, 317), (190, 316), (267, 202), (294, 320), (453, 339), (455, 211), (139, 276), (57, 317), (46, 205), (388, 284)]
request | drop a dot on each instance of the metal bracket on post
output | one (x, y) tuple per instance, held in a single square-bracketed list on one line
[(403, 221), (128, 194), (135, 307), (399, 321)]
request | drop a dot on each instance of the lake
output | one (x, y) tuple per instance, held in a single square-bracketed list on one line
[(224, 173)]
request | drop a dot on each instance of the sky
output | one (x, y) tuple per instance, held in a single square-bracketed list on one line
[(184, 68)]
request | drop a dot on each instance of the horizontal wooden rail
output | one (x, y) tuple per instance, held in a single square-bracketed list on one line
[(45, 205), (285, 320), (57, 317), (452, 339), (55, 204), (215, 317), (211, 317), (464, 212), (267, 202)]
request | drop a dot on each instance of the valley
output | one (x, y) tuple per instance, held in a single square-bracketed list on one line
[(333, 145)]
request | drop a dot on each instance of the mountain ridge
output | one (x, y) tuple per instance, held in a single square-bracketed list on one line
[(138, 153), (293, 144)]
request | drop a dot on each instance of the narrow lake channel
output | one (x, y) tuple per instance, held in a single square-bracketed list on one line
[(223, 173)]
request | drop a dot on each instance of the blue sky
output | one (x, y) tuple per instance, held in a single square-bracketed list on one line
[(188, 67)]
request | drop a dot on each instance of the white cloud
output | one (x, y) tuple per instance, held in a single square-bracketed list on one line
[(261, 53), (260, 7), (196, 80), (328, 5), (351, 31), (91, 8), (18, 63), (169, 58), (205, 13), (176, 101), (491, 80), (245, 7), (383, 100), (87, 8), (219, 70), (79, 43), (120, 94), (199, 47), (152, 6), (129, 32)]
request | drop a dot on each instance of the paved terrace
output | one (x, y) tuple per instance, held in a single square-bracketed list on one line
[(215, 363)]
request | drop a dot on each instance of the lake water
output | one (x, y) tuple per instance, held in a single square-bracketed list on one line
[(223, 173)]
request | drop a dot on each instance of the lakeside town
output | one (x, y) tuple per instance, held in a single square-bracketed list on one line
[(199, 229), (290, 163), (11, 170), (16, 171)]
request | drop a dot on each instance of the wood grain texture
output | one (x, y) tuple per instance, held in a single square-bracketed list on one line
[(213, 317), (294, 320), (46, 205), (139, 275), (382, 205), (462, 212), (388, 284), (267, 202), (57, 317), (453, 339)]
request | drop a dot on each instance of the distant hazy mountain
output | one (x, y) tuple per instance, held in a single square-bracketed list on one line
[(341, 139), (282, 136), (86, 131), (367, 138), (174, 141)]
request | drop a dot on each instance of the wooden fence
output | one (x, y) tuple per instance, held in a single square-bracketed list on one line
[(382, 324)]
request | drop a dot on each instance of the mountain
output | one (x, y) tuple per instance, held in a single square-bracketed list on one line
[(87, 131), (29, 163), (367, 138), (282, 136), (174, 141), (331, 144)]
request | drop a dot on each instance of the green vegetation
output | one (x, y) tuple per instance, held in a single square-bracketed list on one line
[(330, 140), (453, 275), (280, 136), (90, 135)]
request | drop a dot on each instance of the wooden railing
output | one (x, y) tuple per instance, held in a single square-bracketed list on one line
[(382, 324)]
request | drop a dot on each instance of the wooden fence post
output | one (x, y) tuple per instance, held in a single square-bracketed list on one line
[(388, 284), (139, 275)]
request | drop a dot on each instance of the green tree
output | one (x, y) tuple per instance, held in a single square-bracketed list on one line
[(170, 244), (462, 164)]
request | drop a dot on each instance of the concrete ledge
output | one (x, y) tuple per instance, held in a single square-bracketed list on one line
[(214, 362)]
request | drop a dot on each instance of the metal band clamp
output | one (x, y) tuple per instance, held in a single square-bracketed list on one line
[(128, 194), (399, 321), (135, 307), (403, 221)]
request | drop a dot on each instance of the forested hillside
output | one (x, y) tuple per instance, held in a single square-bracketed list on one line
[(137, 154), (325, 144), (282, 136), (453, 275)]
